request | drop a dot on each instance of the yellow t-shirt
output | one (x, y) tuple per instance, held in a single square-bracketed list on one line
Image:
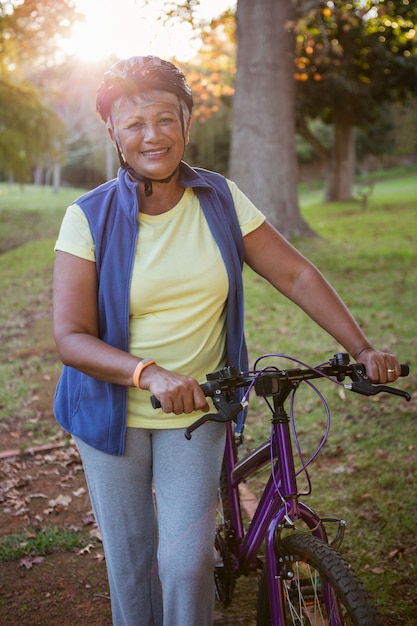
[(178, 293)]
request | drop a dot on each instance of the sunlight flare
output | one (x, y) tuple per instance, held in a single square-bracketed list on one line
[(134, 27)]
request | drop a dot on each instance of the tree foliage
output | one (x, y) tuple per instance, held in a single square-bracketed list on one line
[(210, 74), (30, 30), (352, 58), (31, 133), (355, 55)]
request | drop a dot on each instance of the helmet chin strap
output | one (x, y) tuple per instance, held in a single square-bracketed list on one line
[(147, 181), (143, 179)]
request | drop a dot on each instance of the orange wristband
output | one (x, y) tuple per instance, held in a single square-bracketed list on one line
[(139, 369)]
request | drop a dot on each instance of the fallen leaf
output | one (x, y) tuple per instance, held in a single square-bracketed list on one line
[(86, 549), (61, 500), (30, 561), (48, 511), (95, 533), (36, 495), (396, 553)]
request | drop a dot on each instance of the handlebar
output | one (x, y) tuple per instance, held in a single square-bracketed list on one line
[(273, 382)]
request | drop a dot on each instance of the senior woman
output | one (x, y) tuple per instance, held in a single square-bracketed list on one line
[(148, 298)]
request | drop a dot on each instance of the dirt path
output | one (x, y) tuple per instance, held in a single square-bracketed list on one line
[(69, 590), (47, 488)]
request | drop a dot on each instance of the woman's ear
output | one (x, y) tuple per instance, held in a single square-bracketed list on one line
[(113, 138)]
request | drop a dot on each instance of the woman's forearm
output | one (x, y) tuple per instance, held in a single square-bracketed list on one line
[(94, 357), (319, 300)]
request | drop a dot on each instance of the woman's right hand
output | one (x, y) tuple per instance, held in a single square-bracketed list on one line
[(177, 393)]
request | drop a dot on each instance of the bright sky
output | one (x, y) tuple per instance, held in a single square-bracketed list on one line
[(127, 28)]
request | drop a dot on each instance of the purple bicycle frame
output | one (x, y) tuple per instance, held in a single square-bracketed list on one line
[(271, 513)]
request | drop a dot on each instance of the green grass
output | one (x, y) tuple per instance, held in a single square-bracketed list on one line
[(30, 218), (40, 542), (28, 213), (368, 469)]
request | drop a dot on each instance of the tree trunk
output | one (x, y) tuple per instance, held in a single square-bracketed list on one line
[(263, 160), (38, 175), (341, 170), (56, 177)]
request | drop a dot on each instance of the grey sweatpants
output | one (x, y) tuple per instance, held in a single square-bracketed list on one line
[(159, 562)]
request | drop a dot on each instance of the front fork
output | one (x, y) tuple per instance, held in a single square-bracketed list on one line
[(278, 574)]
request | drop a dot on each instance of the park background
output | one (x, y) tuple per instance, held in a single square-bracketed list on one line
[(310, 107)]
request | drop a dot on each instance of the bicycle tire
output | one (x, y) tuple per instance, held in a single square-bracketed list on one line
[(315, 563)]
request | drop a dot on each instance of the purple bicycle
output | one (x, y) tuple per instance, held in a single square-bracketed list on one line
[(303, 579)]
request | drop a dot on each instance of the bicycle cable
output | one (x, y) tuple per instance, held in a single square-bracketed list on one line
[(304, 464)]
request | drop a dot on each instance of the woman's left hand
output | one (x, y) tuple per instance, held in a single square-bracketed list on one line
[(381, 367)]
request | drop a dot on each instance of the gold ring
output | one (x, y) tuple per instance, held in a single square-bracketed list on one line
[(390, 371)]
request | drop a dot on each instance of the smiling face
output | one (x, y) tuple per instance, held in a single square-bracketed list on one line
[(151, 133)]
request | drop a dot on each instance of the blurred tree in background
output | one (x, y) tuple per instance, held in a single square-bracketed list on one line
[(353, 58), (90, 158), (31, 133)]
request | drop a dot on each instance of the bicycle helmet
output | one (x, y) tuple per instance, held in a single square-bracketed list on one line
[(148, 72), (128, 76)]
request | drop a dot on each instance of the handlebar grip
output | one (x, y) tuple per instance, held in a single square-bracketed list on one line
[(205, 387), (155, 402), (405, 370)]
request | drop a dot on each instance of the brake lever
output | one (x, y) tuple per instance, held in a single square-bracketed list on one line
[(361, 384), (226, 412), (209, 417)]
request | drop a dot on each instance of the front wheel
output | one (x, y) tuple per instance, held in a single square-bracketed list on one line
[(316, 587)]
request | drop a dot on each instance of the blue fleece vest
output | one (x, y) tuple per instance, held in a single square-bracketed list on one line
[(95, 410)]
